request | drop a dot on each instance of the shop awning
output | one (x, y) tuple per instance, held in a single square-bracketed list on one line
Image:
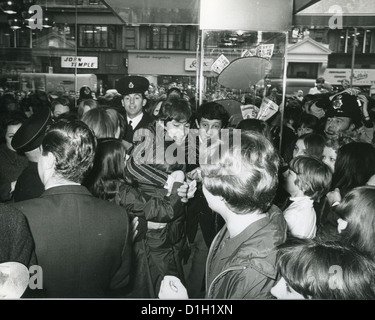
[(324, 12)]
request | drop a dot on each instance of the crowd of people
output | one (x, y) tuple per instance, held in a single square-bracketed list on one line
[(132, 195)]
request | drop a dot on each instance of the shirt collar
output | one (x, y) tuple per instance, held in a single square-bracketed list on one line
[(135, 120)]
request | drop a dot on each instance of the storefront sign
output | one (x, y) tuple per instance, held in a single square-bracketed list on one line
[(79, 62), (362, 77), (159, 63), (191, 64)]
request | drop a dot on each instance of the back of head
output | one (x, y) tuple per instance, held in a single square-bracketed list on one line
[(313, 176), (73, 145), (320, 269), (255, 125), (85, 105), (100, 123), (108, 168), (213, 111), (354, 166), (174, 92), (244, 173), (320, 80), (357, 208)]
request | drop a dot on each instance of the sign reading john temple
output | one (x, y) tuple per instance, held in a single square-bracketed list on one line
[(79, 62)]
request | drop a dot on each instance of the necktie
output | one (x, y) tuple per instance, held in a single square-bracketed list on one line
[(130, 124)]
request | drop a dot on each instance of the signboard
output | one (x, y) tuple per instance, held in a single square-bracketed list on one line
[(142, 62), (191, 64), (220, 64), (79, 62), (362, 77)]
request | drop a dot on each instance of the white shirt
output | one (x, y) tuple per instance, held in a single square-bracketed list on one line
[(300, 217), (135, 120)]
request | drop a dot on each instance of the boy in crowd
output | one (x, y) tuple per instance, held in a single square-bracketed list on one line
[(307, 180), (202, 223)]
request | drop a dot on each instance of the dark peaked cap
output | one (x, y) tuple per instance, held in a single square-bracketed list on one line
[(132, 84), (31, 133)]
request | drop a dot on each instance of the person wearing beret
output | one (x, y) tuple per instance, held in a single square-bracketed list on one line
[(82, 243), (132, 89), (28, 139)]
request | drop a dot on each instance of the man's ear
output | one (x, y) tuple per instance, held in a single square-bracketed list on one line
[(352, 127), (122, 102), (144, 102)]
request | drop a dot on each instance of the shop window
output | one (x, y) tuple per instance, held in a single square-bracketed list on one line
[(94, 36), (362, 43)]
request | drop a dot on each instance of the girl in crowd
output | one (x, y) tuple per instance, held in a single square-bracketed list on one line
[(354, 166), (309, 144), (316, 269), (307, 124), (153, 251), (356, 223)]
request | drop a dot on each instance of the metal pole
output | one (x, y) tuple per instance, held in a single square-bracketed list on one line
[(353, 57), (284, 90), (15, 38), (201, 78), (197, 93)]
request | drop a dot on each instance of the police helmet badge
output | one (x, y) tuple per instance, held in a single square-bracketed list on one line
[(131, 85), (337, 103)]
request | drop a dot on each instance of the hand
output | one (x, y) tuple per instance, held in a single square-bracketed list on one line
[(364, 102), (195, 174), (334, 196), (172, 288), (187, 190), (178, 176), (175, 176), (352, 91), (155, 225)]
